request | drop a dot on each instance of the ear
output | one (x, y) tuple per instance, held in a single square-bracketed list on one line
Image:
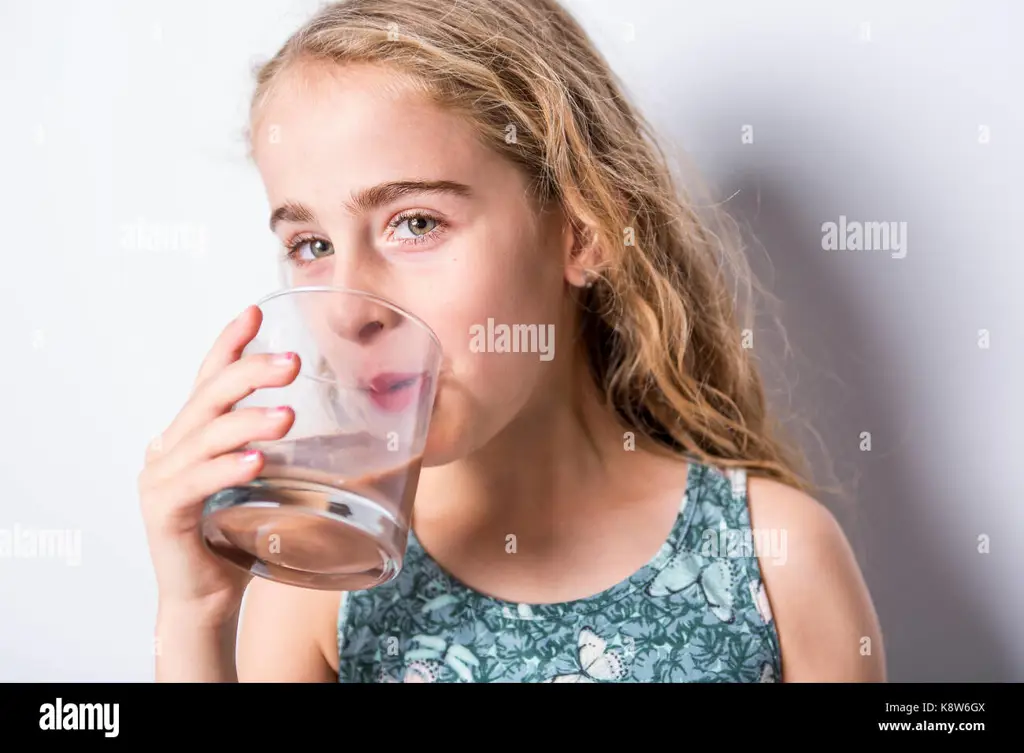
[(582, 253)]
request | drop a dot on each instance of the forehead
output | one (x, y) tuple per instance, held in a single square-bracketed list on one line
[(362, 124)]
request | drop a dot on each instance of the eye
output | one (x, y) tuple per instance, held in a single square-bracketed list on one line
[(421, 227), (318, 247)]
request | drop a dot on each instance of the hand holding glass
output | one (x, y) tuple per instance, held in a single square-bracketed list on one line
[(333, 505)]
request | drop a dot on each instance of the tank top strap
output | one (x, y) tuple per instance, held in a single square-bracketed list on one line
[(721, 545), (719, 523)]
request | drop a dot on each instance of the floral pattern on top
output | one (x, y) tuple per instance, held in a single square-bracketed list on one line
[(696, 612)]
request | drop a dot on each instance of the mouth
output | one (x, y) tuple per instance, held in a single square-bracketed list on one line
[(393, 392)]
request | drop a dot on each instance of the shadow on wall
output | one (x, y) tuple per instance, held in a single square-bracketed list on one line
[(934, 628)]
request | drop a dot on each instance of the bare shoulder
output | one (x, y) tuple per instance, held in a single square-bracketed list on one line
[(827, 625), (287, 634)]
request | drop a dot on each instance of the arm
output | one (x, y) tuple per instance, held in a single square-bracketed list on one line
[(288, 634), (827, 625), (194, 647)]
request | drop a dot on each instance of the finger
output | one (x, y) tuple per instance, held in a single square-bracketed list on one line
[(226, 433), (229, 344), (178, 501), (218, 394)]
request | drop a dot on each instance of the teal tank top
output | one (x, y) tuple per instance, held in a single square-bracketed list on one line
[(696, 612)]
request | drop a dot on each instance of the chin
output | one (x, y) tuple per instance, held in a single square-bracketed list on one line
[(450, 436), (445, 443)]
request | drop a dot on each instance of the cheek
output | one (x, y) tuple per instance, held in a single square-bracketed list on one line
[(517, 289), (483, 327), (504, 266), (480, 390), (490, 286), (480, 394)]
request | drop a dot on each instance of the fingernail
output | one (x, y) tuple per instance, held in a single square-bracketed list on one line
[(251, 456), (282, 410), (285, 359), (241, 316)]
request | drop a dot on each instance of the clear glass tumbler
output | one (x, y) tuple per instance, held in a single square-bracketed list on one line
[(333, 504)]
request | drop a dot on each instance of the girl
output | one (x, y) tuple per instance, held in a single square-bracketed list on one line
[(622, 511)]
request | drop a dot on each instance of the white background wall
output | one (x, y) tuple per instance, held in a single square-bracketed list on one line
[(119, 115)]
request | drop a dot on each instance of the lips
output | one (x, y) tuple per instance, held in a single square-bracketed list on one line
[(393, 392)]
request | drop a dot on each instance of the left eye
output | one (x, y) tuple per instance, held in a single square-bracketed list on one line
[(419, 225)]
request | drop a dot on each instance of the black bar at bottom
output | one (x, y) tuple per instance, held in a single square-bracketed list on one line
[(260, 714)]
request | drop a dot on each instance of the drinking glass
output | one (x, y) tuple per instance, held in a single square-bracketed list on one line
[(332, 507)]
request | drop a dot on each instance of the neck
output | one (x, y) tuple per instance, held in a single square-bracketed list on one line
[(563, 457)]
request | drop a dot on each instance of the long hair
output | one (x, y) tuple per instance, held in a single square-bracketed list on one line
[(666, 326)]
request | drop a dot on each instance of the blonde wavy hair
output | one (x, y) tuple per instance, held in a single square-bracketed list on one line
[(663, 326)]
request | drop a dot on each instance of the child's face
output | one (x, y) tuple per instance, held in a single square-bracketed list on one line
[(459, 261)]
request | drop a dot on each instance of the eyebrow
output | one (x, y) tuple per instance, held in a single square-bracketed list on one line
[(370, 198)]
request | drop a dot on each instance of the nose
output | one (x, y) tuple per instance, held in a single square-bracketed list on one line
[(360, 320), (357, 318)]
